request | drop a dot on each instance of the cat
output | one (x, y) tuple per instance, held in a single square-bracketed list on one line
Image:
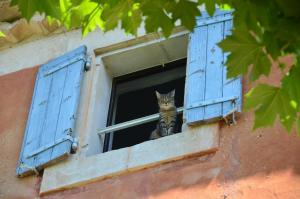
[(167, 115)]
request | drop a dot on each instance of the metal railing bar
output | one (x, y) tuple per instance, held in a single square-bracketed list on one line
[(131, 123)]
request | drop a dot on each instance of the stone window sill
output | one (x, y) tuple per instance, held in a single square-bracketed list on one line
[(79, 170)]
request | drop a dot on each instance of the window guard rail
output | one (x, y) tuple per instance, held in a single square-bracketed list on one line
[(132, 123)]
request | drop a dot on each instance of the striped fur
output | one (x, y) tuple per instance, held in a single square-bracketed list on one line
[(167, 115)]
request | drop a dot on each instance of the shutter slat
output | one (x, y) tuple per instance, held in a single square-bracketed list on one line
[(53, 109), (70, 99), (230, 86), (197, 58), (214, 70), (35, 122), (196, 72), (54, 102)]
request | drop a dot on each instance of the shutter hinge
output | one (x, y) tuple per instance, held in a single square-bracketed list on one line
[(74, 142), (74, 146), (88, 63), (231, 120)]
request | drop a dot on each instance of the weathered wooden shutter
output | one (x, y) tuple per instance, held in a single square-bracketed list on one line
[(48, 134), (210, 95)]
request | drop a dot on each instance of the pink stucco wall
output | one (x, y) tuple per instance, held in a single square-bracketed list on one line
[(264, 164), (15, 98)]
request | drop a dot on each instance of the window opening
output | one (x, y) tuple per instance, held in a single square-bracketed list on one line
[(133, 96)]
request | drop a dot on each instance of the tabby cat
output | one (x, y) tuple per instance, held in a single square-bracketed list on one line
[(167, 115)]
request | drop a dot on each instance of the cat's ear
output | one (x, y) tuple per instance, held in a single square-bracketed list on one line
[(172, 93), (157, 94)]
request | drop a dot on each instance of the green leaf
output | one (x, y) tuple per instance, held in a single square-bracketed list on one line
[(159, 21), (65, 9), (29, 7), (186, 12), (298, 126), (261, 94), (2, 34), (113, 13), (261, 65), (290, 84), (86, 14), (269, 103), (225, 7), (132, 21), (272, 44), (290, 7), (65, 5), (245, 50), (49, 7), (156, 17), (210, 6)]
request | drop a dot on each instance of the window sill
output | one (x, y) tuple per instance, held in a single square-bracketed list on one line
[(79, 170)]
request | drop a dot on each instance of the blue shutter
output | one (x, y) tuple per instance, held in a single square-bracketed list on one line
[(210, 95), (48, 134)]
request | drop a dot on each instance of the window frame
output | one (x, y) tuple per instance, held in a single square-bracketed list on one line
[(129, 78)]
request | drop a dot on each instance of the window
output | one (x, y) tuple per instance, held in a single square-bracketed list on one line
[(208, 94), (208, 97), (202, 90), (133, 96)]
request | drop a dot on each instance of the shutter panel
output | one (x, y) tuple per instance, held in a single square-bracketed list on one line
[(210, 95), (51, 121)]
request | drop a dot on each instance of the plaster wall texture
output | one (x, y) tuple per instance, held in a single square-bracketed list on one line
[(15, 99)]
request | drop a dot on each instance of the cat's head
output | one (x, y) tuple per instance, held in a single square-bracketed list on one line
[(166, 101)]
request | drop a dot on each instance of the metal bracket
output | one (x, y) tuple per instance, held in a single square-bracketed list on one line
[(74, 146), (50, 145), (88, 63), (232, 120)]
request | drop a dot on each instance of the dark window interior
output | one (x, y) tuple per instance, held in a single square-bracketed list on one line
[(133, 96)]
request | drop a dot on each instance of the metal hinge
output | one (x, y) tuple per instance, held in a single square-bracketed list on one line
[(229, 117), (88, 63), (74, 142)]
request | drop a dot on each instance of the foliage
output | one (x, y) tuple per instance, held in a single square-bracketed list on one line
[(263, 32)]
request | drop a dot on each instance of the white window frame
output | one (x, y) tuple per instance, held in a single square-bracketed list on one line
[(196, 140), (134, 84)]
